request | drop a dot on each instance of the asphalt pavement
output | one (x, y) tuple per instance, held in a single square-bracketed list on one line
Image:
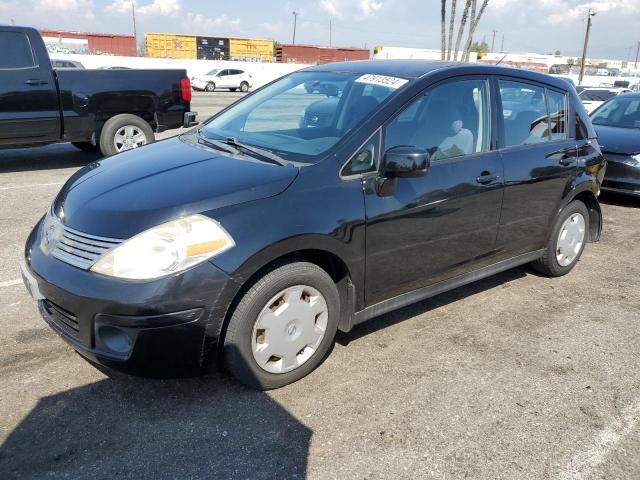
[(515, 377)]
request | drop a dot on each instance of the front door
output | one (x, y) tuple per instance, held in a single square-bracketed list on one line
[(539, 154), (29, 111), (435, 227)]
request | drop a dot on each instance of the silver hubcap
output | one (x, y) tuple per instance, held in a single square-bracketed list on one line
[(289, 329), (129, 137), (570, 239)]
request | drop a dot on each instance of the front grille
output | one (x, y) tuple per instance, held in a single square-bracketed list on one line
[(81, 249), (63, 319)]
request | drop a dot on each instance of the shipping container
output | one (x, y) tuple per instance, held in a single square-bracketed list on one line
[(251, 48), (314, 55), (58, 41), (167, 45), (211, 48)]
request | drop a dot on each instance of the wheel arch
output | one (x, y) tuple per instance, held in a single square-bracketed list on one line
[(590, 200), (329, 261)]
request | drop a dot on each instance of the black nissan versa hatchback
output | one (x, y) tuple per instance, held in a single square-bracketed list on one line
[(253, 238)]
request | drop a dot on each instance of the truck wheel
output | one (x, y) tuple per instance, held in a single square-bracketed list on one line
[(210, 87), (86, 146), (283, 326), (566, 242), (244, 87), (124, 132)]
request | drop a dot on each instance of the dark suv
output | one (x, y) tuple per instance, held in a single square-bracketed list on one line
[(253, 238)]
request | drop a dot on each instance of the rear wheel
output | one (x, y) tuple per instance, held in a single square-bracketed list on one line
[(283, 326), (124, 132), (566, 242), (86, 146), (244, 87), (210, 87)]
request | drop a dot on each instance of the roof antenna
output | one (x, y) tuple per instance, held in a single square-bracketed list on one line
[(500, 61)]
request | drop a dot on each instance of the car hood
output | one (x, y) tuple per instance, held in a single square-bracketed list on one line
[(623, 141), (123, 195)]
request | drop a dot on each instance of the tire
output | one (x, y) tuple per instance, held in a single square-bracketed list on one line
[(555, 262), (141, 134), (210, 87), (244, 87), (86, 146), (243, 333)]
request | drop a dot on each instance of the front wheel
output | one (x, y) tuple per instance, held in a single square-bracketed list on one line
[(124, 132), (566, 243), (244, 87), (283, 326)]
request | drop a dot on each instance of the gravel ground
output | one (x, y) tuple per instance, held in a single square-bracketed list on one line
[(516, 376)]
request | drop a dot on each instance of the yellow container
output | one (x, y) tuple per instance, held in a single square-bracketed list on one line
[(251, 48), (166, 45)]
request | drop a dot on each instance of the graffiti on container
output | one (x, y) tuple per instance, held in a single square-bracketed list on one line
[(67, 45)]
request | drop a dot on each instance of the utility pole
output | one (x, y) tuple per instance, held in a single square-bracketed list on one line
[(493, 40), (330, 34), (635, 65), (502, 44), (135, 31), (590, 15), (295, 19)]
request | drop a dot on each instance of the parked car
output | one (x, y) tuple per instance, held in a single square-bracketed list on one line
[(66, 65), (617, 123), (593, 97), (230, 78), (257, 239), (92, 109)]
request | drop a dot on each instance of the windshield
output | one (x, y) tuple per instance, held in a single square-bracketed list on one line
[(621, 111), (213, 72), (303, 115)]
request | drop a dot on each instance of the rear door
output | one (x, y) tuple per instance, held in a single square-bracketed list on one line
[(222, 79), (539, 154), (29, 111)]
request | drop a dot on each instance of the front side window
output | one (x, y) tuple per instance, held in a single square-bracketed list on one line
[(450, 120), (16, 51), (304, 114), (524, 111)]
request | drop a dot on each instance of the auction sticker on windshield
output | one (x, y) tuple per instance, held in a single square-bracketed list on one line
[(382, 80)]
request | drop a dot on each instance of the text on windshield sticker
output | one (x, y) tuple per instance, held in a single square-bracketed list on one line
[(382, 80)]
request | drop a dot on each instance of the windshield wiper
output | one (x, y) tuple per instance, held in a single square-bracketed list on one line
[(218, 144), (261, 152)]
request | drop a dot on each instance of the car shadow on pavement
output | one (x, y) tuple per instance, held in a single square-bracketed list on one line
[(50, 157), (432, 303), (129, 427)]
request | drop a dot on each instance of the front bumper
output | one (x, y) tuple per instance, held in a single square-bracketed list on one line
[(162, 326), (621, 176)]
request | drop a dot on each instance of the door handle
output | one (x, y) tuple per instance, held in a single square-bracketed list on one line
[(486, 178), (36, 82)]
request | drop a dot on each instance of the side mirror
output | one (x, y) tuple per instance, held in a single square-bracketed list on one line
[(405, 161)]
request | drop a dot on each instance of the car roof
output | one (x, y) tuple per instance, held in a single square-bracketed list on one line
[(419, 68), (609, 89)]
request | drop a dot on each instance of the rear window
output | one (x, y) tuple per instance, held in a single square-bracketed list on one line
[(16, 51), (596, 95)]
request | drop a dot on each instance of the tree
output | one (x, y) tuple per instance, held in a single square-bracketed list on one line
[(463, 24), (557, 53), (479, 47), (472, 27), (570, 61), (452, 19), (443, 32)]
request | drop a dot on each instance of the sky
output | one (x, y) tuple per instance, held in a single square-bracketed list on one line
[(540, 26)]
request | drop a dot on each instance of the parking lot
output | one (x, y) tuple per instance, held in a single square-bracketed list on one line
[(517, 376)]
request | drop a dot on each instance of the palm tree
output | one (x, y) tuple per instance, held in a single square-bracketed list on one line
[(463, 24), (443, 16), (472, 27), (452, 18)]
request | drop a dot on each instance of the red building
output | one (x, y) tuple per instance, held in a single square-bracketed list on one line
[(94, 43)]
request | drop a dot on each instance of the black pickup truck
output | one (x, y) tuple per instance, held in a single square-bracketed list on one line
[(113, 110)]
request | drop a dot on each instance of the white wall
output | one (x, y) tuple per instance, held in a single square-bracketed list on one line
[(261, 72)]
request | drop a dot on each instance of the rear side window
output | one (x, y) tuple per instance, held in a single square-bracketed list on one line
[(558, 114), (524, 110), (16, 51)]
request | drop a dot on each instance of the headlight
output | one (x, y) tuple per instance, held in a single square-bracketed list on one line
[(165, 249)]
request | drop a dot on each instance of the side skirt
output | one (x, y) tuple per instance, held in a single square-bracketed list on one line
[(444, 286)]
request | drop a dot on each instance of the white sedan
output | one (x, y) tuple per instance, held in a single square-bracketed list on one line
[(230, 78)]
